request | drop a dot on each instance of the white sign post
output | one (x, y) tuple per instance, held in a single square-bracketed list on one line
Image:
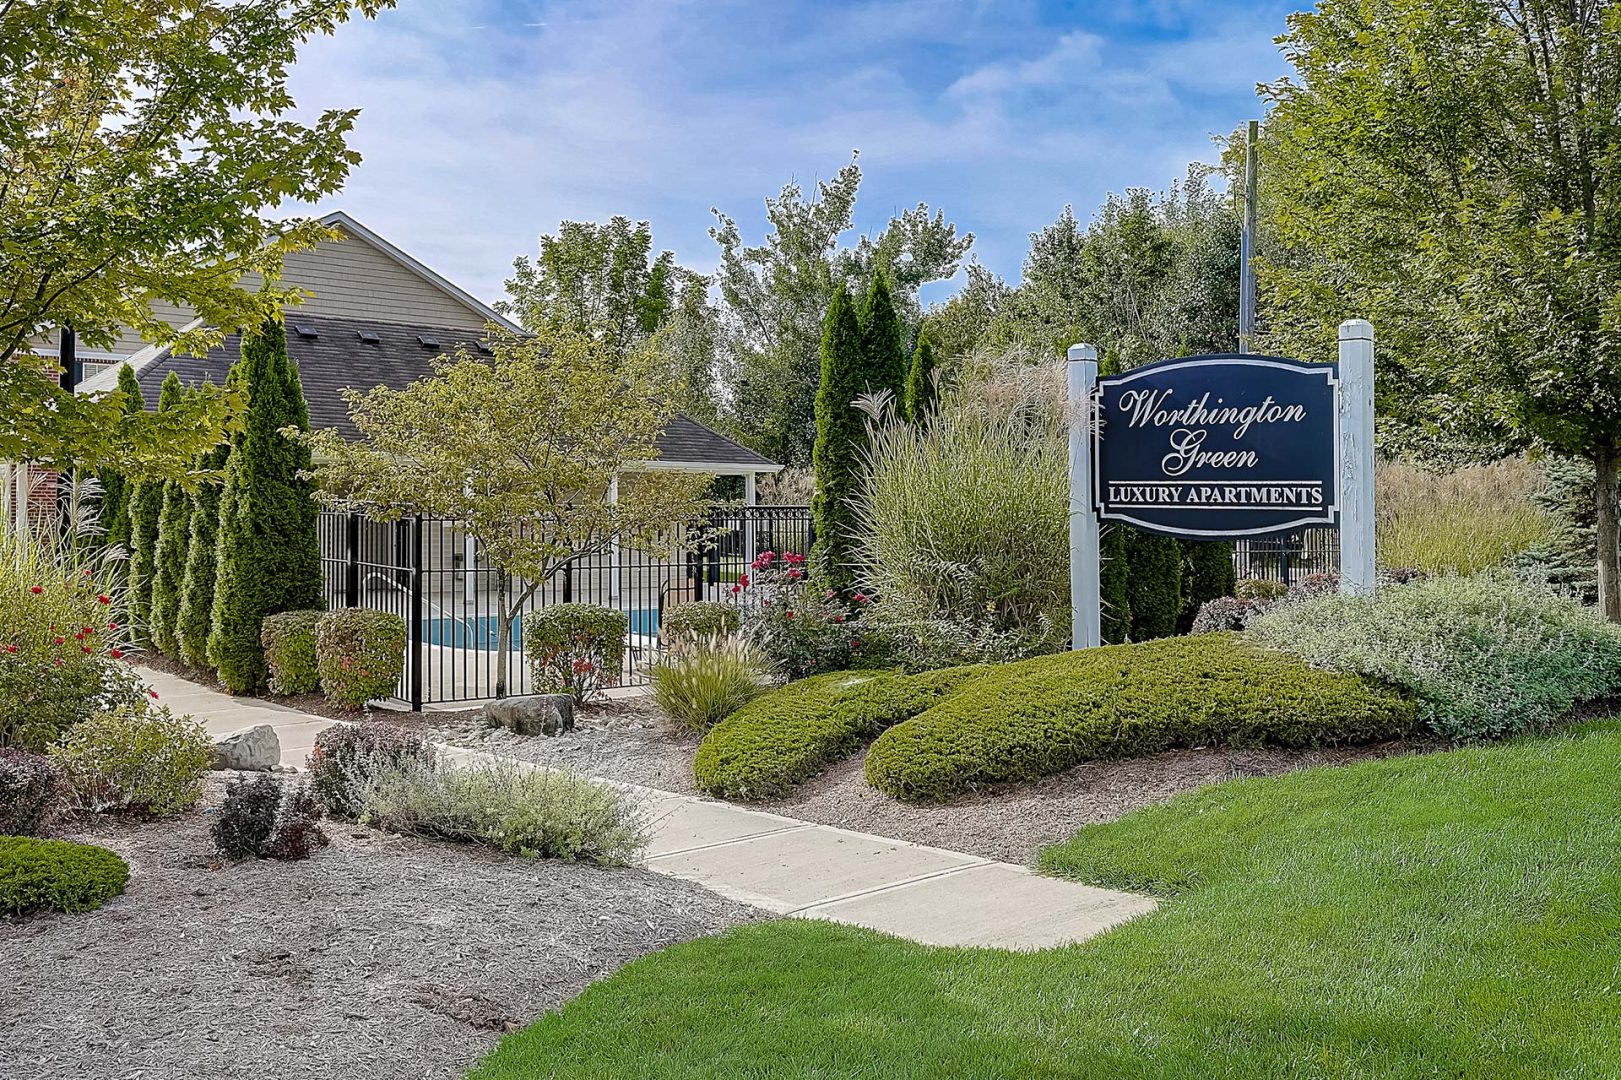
[(1085, 595), (1356, 457)]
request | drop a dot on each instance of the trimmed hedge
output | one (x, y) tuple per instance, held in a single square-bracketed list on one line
[(575, 649), (360, 655), (289, 642), (697, 619), (1038, 717), (57, 875), (789, 735)]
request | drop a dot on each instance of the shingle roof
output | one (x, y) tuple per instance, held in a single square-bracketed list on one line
[(337, 358)]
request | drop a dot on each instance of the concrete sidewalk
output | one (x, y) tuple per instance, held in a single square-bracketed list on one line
[(787, 866)]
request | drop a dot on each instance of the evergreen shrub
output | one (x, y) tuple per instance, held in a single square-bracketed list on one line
[(576, 649), (289, 644), (56, 875), (142, 760), (359, 654)]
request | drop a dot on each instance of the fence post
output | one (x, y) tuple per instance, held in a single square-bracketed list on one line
[(417, 649), (1085, 548), (351, 542)]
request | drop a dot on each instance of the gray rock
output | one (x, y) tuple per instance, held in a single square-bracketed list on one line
[(253, 749), (536, 714)]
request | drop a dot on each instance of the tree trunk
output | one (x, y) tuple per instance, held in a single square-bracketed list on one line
[(1608, 504), (503, 636)]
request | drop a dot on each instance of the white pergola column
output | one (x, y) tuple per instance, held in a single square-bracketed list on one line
[(749, 502)]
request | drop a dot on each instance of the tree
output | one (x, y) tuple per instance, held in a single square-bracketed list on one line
[(133, 137), (268, 556), (1207, 573), (1113, 570), (145, 510), (169, 555), (918, 400), (197, 580), (883, 342), (538, 451), (1153, 584), (1446, 169), (840, 432), (113, 514), (777, 294)]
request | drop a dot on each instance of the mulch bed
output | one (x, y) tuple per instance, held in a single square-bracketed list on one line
[(632, 741), (381, 956)]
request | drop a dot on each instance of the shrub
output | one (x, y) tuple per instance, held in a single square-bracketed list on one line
[(268, 554), (61, 646), (1486, 656), (803, 628), (197, 580), (169, 563), (143, 760), (1207, 574), (840, 434), (699, 619), (1039, 717), (267, 818), (789, 735), (705, 681), (576, 649), (347, 756), (360, 655), (57, 875), (1153, 584), (289, 643), (509, 806), (33, 793), (1226, 613)]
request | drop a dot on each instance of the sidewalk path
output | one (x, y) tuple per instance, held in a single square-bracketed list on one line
[(788, 866)]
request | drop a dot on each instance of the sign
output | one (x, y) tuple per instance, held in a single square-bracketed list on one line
[(1218, 446)]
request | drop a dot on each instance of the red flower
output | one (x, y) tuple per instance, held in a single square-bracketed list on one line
[(793, 558), (838, 618), (84, 648), (88, 630), (11, 648), (35, 589), (112, 626), (60, 639), (87, 573), (855, 643), (787, 614), (117, 654), (830, 594), (736, 589), (154, 694), (104, 598), (742, 581), (58, 661), (861, 598), (794, 575)]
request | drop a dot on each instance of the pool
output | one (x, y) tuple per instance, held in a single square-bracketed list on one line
[(483, 632)]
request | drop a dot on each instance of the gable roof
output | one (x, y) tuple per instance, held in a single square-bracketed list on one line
[(333, 356)]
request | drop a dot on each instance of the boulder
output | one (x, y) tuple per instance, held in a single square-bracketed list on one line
[(535, 714), (251, 749)]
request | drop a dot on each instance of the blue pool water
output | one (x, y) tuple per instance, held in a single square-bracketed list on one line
[(482, 632)]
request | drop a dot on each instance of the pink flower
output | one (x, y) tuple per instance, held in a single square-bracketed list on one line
[(60, 639), (793, 558), (861, 598), (794, 575), (830, 594), (736, 589), (58, 661), (154, 694), (742, 581)]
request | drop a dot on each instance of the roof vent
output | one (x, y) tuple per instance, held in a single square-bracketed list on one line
[(428, 342), (369, 337), (485, 348), (305, 330)]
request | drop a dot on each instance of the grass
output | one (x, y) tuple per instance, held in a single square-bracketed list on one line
[(1447, 915), (1459, 522)]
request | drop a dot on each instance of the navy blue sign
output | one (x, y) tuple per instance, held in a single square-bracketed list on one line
[(1218, 446)]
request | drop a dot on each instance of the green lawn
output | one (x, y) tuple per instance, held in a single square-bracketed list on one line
[(1452, 915)]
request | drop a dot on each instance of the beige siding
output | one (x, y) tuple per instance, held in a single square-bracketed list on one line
[(352, 278)]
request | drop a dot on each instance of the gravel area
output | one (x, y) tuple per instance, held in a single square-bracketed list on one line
[(381, 956), (633, 742)]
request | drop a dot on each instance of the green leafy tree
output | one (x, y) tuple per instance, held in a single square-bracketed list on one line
[(169, 554), (840, 433), (918, 399), (113, 514), (132, 137), (1447, 169), (197, 580), (777, 294), (268, 555), (145, 512), (537, 450)]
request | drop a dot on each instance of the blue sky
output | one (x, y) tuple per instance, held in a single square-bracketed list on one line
[(484, 124)]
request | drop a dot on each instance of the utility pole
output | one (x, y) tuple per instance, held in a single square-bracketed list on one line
[(1246, 244)]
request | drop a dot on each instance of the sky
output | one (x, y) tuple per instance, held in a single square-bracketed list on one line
[(486, 122)]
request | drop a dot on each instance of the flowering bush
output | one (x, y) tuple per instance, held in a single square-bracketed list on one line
[(289, 643), (266, 818), (62, 646), (143, 760), (802, 628), (32, 793), (576, 649), (359, 655)]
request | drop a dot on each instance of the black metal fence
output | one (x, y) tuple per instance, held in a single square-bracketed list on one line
[(1288, 558), (429, 572)]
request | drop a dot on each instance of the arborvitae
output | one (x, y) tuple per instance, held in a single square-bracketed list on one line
[(920, 381), (1207, 572), (113, 515), (169, 562), (197, 582), (1153, 584), (840, 431), (268, 556), (883, 343), (145, 508), (1116, 615)]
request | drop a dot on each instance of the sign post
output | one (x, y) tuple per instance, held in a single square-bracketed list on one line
[(1085, 548), (1356, 442)]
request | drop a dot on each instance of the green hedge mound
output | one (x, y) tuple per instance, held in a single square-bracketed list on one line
[(789, 735), (1038, 717), (56, 874)]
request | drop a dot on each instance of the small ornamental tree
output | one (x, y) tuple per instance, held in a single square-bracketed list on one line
[(538, 450), (840, 431), (268, 556), (113, 515), (169, 559), (145, 508), (197, 580), (918, 400), (883, 342)]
